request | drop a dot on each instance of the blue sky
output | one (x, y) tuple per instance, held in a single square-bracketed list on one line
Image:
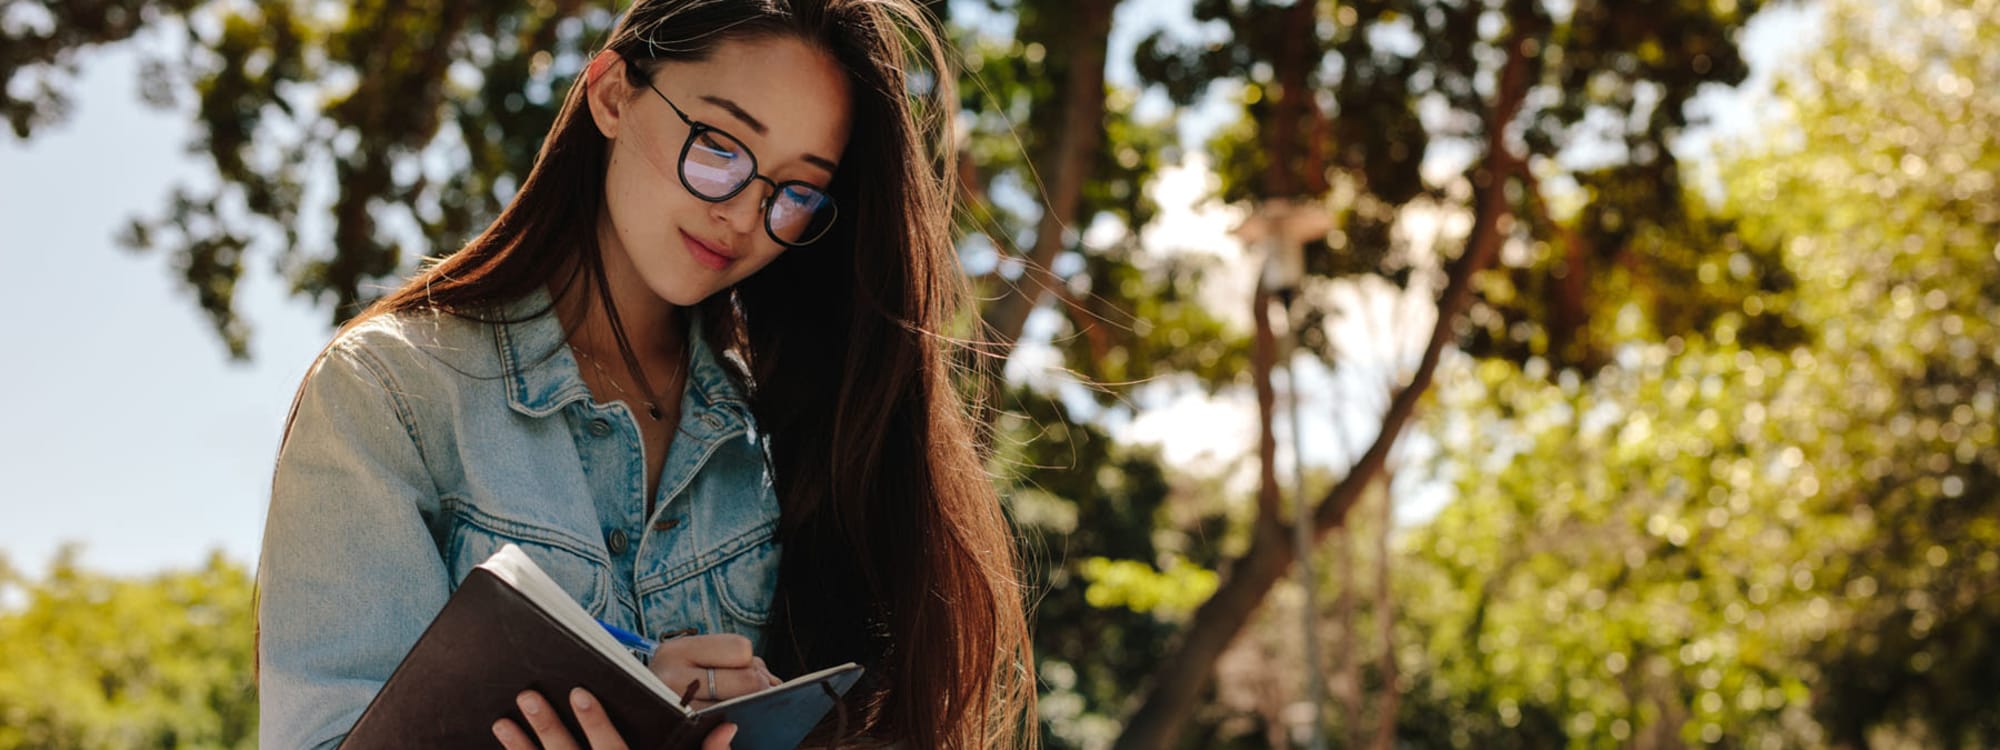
[(127, 429)]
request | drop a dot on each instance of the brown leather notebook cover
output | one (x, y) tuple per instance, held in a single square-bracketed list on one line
[(491, 641)]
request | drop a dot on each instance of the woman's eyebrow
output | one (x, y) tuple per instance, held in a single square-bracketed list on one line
[(757, 126), (734, 109)]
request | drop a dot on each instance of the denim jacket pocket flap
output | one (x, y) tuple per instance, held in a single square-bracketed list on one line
[(475, 535)]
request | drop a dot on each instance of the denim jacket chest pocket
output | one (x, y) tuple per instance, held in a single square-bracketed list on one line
[(474, 531), (721, 559)]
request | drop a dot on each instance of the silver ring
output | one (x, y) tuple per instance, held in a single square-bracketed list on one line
[(711, 685)]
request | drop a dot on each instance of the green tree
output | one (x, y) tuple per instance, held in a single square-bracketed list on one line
[(1115, 560), (1628, 559), (95, 661), (1053, 149), (1332, 94), (421, 119), (40, 43), (1892, 216), (1722, 539)]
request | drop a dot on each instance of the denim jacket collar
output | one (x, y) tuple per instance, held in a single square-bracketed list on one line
[(542, 376)]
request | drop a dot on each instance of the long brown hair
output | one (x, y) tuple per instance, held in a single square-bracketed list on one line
[(895, 552)]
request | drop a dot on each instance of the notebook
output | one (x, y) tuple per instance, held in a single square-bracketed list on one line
[(509, 627)]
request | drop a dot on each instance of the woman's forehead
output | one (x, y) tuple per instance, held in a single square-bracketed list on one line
[(779, 94)]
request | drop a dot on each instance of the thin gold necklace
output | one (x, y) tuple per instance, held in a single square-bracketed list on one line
[(651, 402)]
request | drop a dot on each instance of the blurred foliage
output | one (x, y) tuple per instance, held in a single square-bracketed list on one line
[(40, 42), (1009, 97), (424, 117), (1387, 86), (1892, 208), (1380, 111), (1126, 319), (1632, 556), (1139, 319), (93, 661), (1116, 551), (1722, 541), (1172, 592)]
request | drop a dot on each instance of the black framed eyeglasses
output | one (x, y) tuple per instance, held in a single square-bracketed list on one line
[(715, 166)]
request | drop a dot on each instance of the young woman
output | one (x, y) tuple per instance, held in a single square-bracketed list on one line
[(696, 371)]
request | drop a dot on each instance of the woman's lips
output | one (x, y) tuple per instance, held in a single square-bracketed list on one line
[(703, 255)]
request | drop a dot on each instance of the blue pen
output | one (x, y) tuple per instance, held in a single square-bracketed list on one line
[(639, 644)]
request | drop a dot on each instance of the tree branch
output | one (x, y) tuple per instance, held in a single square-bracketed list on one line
[(1170, 697)]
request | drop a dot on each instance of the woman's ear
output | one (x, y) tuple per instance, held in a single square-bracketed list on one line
[(606, 90)]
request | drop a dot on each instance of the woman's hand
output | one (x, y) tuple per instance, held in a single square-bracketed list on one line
[(597, 728), (685, 664), (707, 669)]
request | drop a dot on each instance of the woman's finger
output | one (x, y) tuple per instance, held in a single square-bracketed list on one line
[(512, 737), (542, 719), (724, 650), (596, 724), (719, 739), (769, 678), (729, 683)]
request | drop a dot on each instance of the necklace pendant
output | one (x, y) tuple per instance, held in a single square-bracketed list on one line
[(654, 410)]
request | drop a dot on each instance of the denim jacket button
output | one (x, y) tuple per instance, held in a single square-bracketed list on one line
[(617, 541), (600, 427)]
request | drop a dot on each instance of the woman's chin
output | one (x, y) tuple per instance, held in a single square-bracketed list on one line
[(683, 294)]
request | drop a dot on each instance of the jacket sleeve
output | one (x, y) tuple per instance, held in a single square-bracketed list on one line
[(350, 574)]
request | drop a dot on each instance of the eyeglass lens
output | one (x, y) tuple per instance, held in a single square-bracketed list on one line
[(717, 166)]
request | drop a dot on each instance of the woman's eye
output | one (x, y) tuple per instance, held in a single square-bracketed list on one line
[(717, 147)]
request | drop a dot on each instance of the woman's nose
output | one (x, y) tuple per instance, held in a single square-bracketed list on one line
[(743, 210)]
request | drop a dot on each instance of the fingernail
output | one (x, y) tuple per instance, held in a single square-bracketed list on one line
[(500, 729), (729, 731), (580, 699), (529, 703)]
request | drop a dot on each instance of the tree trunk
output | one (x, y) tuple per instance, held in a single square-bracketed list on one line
[(1297, 168), (1263, 363), (1569, 316), (1170, 697), (1063, 170), (1350, 639), (1385, 619)]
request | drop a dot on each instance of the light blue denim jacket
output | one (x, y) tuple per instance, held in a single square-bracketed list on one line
[(424, 442)]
